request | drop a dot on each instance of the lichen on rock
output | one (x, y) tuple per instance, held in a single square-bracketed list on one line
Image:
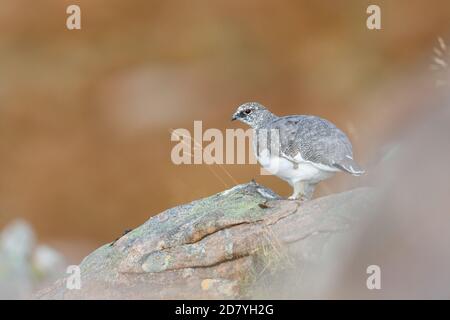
[(209, 248)]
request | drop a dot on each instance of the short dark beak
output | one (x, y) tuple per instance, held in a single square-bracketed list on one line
[(233, 118)]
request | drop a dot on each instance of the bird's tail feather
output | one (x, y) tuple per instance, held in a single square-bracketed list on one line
[(350, 166)]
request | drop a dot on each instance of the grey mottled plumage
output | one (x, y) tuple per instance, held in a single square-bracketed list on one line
[(303, 150)]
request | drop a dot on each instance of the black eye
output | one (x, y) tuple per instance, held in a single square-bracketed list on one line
[(248, 111)]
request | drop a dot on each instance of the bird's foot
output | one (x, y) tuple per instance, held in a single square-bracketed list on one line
[(298, 198)]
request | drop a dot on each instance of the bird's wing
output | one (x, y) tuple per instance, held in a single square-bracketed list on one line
[(310, 138)]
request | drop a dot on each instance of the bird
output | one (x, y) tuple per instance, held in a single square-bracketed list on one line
[(303, 150)]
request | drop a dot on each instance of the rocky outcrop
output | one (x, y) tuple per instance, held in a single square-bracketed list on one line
[(229, 245)]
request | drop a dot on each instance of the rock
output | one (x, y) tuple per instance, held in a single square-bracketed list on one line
[(47, 261), (16, 244), (223, 246), (17, 239), (23, 265)]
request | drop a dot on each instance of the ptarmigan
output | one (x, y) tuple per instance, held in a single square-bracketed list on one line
[(300, 149)]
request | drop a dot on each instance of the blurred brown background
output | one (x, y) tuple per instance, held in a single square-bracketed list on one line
[(85, 115)]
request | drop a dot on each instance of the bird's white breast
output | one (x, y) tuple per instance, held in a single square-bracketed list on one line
[(291, 172)]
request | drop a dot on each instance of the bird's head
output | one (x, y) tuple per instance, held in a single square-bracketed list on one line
[(251, 113)]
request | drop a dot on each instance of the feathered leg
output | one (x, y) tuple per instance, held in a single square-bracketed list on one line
[(297, 186), (308, 191), (302, 191)]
